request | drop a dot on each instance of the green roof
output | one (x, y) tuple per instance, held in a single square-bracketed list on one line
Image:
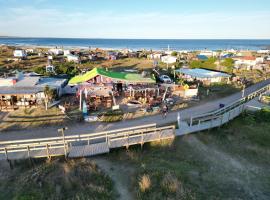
[(126, 77)]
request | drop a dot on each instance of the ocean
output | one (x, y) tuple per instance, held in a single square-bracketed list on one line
[(137, 44)]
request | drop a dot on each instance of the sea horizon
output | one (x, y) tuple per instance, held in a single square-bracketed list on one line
[(138, 44)]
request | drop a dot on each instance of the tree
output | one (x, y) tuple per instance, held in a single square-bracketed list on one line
[(40, 70), (174, 53), (196, 64), (228, 63)]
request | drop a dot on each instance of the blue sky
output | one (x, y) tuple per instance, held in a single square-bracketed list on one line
[(201, 19)]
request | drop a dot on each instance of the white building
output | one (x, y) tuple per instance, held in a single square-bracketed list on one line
[(248, 62), (66, 52), (56, 51), (208, 53), (73, 58), (19, 53), (155, 56), (263, 51), (169, 59)]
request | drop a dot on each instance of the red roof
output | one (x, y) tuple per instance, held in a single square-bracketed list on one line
[(249, 58)]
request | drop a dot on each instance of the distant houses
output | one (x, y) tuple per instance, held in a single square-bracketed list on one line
[(248, 62), (56, 51)]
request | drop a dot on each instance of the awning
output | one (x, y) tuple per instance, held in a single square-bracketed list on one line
[(116, 76)]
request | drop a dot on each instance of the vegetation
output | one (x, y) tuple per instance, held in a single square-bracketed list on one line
[(72, 179), (111, 116), (37, 117), (228, 63), (224, 163), (207, 64), (174, 53)]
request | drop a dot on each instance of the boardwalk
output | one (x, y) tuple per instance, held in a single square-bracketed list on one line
[(84, 145)]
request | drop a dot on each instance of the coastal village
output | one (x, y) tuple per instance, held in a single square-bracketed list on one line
[(117, 124), (113, 85)]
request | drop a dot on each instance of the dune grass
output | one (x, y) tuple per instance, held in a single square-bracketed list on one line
[(59, 179), (227, 163)]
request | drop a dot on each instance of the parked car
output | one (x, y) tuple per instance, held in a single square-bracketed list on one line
[(165, 79)]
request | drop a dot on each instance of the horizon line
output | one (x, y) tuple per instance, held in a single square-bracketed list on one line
[(108, 38)]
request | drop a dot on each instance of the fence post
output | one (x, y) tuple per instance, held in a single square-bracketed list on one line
[(142, 139), (6, 153), (191, 121), (48, 152), (28, 151)]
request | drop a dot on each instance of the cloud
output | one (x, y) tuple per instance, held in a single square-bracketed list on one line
[(51, 22)]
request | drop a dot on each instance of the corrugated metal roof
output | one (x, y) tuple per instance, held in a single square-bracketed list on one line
[(28, 82), (20, 90), (202, 73)]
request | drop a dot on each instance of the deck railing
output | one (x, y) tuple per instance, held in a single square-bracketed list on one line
[(55, 146)]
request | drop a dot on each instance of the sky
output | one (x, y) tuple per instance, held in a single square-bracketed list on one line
[(149, 19)]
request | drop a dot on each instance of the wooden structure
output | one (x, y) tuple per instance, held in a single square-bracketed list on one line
[(83, 145), (219, 117)]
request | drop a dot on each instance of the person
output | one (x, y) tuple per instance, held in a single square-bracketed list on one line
[(165, 111)]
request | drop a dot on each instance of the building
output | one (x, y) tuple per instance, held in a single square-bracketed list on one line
[(56, 51), (155, 56), (202, 57), (27, 90), (204, 75), (73, 58), (263, 51), (208, 53), (19, 53), (248, 62), (169, 59), (66, 52)]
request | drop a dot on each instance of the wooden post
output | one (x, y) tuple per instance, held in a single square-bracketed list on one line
[(127, 137), (61, 130), (221, 119), (6, 153), (28, 151), (142, 140), (229, 116), (174, 132), (48, 152)]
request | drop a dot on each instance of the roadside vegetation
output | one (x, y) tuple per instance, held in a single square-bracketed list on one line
[(227, 163), (36, 117), (59, 179)]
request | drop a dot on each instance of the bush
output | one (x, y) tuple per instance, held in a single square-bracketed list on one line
[(111, 116), (144, 183)]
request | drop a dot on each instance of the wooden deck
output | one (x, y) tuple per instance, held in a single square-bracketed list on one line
[(85, 145)]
